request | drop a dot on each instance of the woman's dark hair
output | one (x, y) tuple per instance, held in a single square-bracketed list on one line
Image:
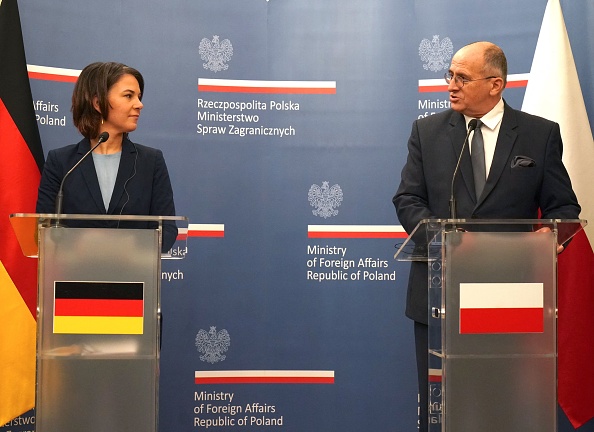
[(94, 81)]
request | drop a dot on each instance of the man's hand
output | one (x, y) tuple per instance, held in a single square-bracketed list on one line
[(547, 229)]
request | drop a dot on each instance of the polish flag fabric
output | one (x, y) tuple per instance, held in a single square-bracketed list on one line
[(563, 103), (501, 308)]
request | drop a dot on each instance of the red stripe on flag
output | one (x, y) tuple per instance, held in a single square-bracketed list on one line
[(19, 179), (574, 329), (206, 233), (96, 307), (264, 380), (433, 89), (52, 77), (444, 87), (516, 84), (501, 320)]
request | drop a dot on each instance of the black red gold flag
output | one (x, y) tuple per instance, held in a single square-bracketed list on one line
[(98, 307), (20, 167)]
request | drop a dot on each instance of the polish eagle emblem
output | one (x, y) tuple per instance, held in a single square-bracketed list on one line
[(325, 199), (435, 53), (212, 344), (215, 53)]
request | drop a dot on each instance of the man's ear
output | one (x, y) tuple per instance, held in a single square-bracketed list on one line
[(497, 86)]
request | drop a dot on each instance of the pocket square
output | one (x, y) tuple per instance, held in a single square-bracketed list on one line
[(522, 161)]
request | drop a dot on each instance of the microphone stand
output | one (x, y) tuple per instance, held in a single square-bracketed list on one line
[(104, 136), (453, 210)]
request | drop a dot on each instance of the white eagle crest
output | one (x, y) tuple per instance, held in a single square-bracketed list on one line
[(215, 53), (212, 344), (436, 54), (325, 199)]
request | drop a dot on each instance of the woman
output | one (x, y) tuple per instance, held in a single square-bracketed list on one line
[(121, 177)]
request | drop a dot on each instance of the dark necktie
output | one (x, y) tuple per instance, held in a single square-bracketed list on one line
[(477, 155)]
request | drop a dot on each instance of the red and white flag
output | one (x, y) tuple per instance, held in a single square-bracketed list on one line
[(264, 377), (501, 308), (554, 92)]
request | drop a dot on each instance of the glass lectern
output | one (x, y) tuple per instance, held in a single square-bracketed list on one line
[(98, 320), (492, 321)]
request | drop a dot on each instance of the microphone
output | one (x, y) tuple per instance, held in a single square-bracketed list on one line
[(103, 136), (471, 126)]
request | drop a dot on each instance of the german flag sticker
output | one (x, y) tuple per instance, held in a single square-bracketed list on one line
[(98, 307)]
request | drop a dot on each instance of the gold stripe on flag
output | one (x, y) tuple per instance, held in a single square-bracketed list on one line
[(98, 325), (17, 352)]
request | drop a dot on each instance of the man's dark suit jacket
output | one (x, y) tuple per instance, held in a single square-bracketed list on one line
[(513, 191), (142, 186)]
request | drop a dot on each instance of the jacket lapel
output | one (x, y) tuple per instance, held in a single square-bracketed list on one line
[(505, 143), (457, 135), (125, 172)]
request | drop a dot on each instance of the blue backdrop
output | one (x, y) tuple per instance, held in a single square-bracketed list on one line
[(284, 125)]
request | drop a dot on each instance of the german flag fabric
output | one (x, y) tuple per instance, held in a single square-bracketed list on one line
[(20, 170), (99, 307)]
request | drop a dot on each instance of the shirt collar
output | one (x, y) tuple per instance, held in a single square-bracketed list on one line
[(493, 117)]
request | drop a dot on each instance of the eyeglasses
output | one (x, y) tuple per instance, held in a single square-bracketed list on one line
[(460, 81)]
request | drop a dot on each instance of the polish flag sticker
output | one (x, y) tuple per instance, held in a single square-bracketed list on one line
[(501, 308)]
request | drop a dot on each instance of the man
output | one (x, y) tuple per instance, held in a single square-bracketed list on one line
[(476, 80)]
